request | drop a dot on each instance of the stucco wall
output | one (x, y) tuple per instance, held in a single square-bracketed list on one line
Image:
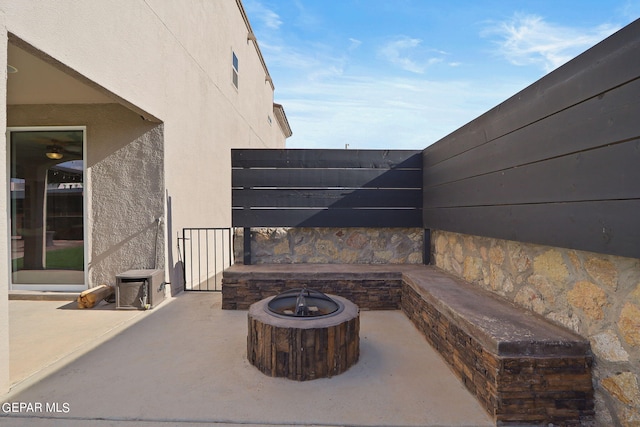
[(124, 183), (596, 295), (171, 60), (168, 60)]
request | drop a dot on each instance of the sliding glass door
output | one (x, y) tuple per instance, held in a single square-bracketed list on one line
[(47, 228)]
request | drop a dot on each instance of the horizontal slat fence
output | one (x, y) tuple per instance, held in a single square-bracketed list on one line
[(326, 188), (557, 164)]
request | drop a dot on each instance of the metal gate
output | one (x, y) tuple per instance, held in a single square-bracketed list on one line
[(206, 253)]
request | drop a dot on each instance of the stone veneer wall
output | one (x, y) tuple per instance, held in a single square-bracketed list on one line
[(596, 295), (333, 245)]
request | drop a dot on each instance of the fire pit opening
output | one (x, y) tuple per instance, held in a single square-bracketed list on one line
[(303, 334), (304, 303)]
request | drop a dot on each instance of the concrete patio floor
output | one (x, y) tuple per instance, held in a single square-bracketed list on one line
[(184, 363)]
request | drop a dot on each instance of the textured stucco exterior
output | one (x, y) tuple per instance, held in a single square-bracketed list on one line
[(160, 133), (596, 295), (124, 184), (170, 62)]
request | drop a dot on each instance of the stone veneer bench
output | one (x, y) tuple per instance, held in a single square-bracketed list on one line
[(371, 287), (522, 368)]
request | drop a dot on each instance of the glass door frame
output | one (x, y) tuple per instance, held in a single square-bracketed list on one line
[(44, 286)]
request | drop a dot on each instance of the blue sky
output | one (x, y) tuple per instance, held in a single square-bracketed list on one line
[(401, 74)]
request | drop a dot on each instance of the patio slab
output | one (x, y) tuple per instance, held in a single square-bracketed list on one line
[(36, 338), (184, 363)]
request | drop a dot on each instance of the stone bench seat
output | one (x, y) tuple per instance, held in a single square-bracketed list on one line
[(497, 324), (522, 368)]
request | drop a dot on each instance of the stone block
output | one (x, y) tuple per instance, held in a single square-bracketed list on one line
[(629, 324), (551, 264), (602, 271), (589, 298), (606, 346), (624, 387)]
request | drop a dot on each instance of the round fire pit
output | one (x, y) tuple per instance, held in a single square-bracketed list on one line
[(303, 335)]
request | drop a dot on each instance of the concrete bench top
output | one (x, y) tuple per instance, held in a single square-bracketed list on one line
[(500, 326)]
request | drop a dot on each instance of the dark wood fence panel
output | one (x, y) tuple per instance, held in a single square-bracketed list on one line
[(327, 218), (596, 122), (606, 173), (326, 188), (329, 158), (557, 164), (598, 226), (343, 198), (325, 178)]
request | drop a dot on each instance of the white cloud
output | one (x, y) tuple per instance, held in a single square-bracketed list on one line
[(266, 16), (406, 53), (631, 9), (354, 43), (295, 59), (530, 40)]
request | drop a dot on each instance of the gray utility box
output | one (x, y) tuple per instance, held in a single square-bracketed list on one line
[(139, 289)]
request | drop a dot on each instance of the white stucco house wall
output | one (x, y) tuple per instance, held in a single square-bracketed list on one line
[(143, 99)]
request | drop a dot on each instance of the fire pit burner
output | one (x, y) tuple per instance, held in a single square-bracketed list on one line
[(304, 303)]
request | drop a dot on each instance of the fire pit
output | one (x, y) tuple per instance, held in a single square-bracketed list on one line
[(303, 334)]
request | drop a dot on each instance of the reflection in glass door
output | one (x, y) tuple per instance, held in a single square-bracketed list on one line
[(47, 208)]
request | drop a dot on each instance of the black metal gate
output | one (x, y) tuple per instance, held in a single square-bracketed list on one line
[(206, 252)]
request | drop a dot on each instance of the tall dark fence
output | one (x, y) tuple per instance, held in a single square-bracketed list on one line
[(326, 188), (556, 164)]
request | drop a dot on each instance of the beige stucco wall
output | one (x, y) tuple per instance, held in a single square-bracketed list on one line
[(173, 61), (596, 295), (169, 61), (124, 184)]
